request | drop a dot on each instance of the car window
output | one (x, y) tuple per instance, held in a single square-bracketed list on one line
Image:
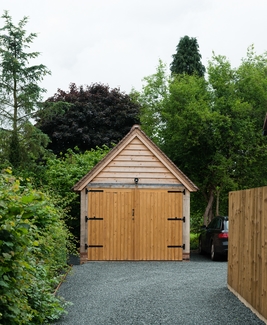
[(219, 224), (211, 224), (216, 223)]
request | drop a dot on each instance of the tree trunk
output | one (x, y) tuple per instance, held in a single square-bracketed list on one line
[(217, 202), (208, 211), (14, 150)]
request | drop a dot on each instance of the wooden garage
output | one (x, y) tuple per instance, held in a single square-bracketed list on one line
[(135, 205)]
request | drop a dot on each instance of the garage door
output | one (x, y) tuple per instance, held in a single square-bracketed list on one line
[(134, 224)]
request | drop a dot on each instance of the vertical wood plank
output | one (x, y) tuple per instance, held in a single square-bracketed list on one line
[(108, 213), (117, 221), (162, 218), (123, 230), (263, 309), (95, 227), (105, 227), (258, 252), (136, 206)]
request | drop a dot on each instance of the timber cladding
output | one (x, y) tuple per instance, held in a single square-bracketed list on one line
[(135, 224), (135, 159), (247, 251)]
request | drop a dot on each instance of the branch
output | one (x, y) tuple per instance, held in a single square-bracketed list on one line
[(6, 114)]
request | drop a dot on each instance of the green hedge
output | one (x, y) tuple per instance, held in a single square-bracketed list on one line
[(33, 253)]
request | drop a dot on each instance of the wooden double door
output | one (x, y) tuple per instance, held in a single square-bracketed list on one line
[(134, 224)]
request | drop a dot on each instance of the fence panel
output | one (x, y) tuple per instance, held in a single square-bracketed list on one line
[(247, 251)]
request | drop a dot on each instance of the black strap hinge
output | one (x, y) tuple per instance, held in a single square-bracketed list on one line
[(94, 218), (92, 246), (177, 219), (176, 246)]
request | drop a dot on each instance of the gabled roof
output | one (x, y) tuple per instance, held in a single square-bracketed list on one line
[(136, 132)]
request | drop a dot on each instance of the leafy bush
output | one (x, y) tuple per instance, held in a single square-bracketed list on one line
[(61, 175), (33, 253)]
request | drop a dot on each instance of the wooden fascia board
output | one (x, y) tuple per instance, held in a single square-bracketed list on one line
[(190, 186)]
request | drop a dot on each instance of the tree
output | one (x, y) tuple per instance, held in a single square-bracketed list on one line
[(87, 117), (187, 135), (19, 90), (151, 100), (211, 129), (252, 83), (187, 58), (240, 94), (217, 141)]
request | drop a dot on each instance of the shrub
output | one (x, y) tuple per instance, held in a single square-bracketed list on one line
[(62, 173), (33, 253)]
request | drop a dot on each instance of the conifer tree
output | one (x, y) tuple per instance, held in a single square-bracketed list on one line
[(187, 58), (19, 89)]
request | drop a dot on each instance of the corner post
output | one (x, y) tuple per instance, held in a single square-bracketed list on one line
[(186, 225), (83, 229)]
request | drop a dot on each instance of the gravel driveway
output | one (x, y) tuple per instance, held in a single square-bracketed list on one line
[(152, 293)]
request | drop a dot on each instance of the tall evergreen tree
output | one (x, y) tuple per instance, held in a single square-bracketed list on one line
[(19, 90), (187, 58)]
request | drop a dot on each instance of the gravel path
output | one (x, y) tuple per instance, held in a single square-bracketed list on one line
[(152, 293)]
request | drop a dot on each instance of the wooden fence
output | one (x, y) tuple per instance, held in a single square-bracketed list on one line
[(247, 254)]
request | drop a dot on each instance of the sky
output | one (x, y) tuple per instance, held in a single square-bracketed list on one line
[(119, 42)]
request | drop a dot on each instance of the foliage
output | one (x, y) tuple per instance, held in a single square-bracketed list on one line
[(211, 128), (240, 95), (194, 238), (87, 117), (151, 101), (63, 173), (32, 253), (19, 92), (187, 58)]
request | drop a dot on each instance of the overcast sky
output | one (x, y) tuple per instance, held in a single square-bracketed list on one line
[(119, 42)]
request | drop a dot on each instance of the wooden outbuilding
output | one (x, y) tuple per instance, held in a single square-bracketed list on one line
[(135, 205)]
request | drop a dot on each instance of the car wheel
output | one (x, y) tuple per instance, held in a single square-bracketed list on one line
[(200, 250), (213, 254)]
